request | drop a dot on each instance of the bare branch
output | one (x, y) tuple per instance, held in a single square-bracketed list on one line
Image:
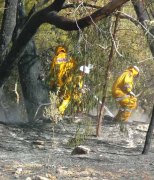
[(114, 41), (49, 15), (40, 106), (104, 88), (16, 92), (144, 27), (69, 25), (75, 5), (26, 34)]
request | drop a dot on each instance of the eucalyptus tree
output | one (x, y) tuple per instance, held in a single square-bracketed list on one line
[(50, 15), (29, 64), (30, 72), (18, 49)]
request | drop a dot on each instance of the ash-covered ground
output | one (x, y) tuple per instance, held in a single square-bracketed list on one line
[(40, 151)]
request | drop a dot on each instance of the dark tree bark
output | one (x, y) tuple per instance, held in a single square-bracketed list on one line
[(69, 25), (29, 64), (149, 135), (30, 68), (49, 14), (144, 19), (33, 90), (6, 32), (8, 25)]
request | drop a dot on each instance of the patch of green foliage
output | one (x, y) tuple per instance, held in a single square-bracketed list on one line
[(83, 130), (51, 110)]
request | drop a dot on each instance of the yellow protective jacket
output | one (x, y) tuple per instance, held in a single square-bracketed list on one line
[(61, 67), (71, 91), (73, 86), (124, 83)]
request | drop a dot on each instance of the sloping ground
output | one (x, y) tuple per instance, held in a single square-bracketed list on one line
[(36, 152)]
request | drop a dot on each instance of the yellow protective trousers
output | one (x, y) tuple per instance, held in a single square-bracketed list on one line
[(71, 92), (64, 104), (67, 98), (127, 104)]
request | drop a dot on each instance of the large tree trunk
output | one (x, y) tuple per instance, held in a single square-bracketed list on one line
[(8, 25), (29, 72), (6, 32), (149, 135), (29, 66), (33, 90)]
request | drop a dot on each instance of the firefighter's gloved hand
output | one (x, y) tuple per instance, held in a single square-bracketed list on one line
[(132, 94)]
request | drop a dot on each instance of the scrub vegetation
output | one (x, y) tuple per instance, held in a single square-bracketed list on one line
[(92, 46), (108, 35), (132, 45)]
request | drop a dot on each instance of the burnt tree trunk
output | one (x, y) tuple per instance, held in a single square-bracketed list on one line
[(149, 135), (30, 68), (6, 32), (33, 89), (8, 25)]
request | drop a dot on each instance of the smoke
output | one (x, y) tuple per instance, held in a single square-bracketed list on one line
[(139, 116), (11, 112), (13, 115)]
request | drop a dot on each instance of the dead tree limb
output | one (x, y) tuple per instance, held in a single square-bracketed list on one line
[(101, 112)]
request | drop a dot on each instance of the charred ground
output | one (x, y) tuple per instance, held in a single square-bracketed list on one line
[(39, 151)]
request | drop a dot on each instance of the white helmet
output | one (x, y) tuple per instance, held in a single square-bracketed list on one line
[(85, 69), (137, 69)]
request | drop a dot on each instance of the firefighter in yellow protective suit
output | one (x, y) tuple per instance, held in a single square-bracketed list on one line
[(61, 67), (122, 92), (74, 89)]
